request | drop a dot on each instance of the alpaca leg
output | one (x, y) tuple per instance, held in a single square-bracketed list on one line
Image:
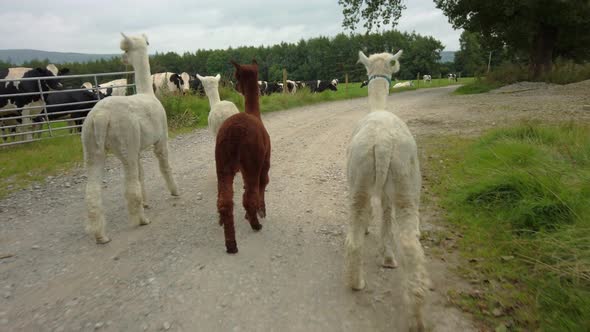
[(407, 203), (133, 191), (142, 182), (251, 199), (387, 244), (262, 189), (96, 221), (225, 207), (161, 151), (359, 210)]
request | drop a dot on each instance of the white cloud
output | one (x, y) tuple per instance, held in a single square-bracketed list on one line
[(187, 25)]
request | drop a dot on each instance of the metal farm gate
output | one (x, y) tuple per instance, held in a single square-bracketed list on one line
[(33, 123)]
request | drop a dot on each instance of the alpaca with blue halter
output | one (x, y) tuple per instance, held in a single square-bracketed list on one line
[(383, 163)]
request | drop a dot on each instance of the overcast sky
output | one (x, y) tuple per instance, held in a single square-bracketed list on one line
[(88, 26)]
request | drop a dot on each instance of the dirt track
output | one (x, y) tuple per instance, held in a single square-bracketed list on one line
[(175, 275)]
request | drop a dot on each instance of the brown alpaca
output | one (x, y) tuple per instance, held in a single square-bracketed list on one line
[(242, 145)]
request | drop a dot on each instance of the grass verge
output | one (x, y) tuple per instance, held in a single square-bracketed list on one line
[(477, 86), (520, 197)]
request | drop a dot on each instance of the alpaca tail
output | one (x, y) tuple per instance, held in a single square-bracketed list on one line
[(99, 124), (381, 153)]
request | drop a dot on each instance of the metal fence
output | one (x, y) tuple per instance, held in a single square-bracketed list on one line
[(39, 120)]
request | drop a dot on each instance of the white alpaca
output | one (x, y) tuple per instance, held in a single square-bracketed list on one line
[(383, 162), (220, 109), (125, 125)]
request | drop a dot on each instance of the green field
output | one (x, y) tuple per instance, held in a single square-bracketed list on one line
[(520, 198)]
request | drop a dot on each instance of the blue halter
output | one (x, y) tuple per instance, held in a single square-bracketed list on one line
[(372, 77)]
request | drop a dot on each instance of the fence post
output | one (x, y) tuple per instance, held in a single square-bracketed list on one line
[(418, 80), (44, 111), (285, 87), (346, 83)]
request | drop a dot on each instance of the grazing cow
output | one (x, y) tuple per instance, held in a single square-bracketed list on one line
[(170, 83), (335, 82), (364, 84), (427, 78), (274, 87), (7, 104), (291, 87), (196, 86), (320, 86), (300, 84), (406, 84), (118, 87), (452, 77), (262, 87), (77, 111)]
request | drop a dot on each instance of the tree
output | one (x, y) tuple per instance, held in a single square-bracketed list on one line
[(374, 13), (471, 58), (539, 29)]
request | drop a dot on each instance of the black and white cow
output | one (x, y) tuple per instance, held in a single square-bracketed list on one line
[(320, 86), (364, 83), (168, 82), (36, 101), (196, 86), (88, 98), (274, 87), (291, 87), (262, 87), (452, 77)]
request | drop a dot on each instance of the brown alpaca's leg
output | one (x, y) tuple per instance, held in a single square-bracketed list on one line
[(250, 199), (225, 207), (262, 189)]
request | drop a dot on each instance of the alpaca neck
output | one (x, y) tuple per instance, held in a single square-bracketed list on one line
[(213, 95), (143, 82), (252, 101), (378, 91)]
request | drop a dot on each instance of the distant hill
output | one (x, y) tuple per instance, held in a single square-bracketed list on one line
[(447, 56), (17, 57)]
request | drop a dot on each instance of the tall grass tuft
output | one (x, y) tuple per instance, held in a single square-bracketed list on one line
[(524, 192)]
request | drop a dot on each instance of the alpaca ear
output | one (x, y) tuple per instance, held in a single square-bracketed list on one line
[(363, 59), (397, 55), (395, 58), (254, 62), (124, 36), (218, 77), (146, 38), (237, 65), (199, 77)]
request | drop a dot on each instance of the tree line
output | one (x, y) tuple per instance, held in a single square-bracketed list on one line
[(316, 58)]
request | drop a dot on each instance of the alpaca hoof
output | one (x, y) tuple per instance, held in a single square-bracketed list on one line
[(102, 240), (359, 286), (175, 193), (367, 231), (417, 327), (231, 247), (257, 227), (144, 221), (261, 213), (389, 263), (146, 206)]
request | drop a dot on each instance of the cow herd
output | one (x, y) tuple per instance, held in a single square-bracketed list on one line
[(267, 88), (25, 92)]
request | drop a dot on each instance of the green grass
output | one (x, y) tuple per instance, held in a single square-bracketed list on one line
[(521, 197), (23, 164), (563, 72), (477, 86)]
